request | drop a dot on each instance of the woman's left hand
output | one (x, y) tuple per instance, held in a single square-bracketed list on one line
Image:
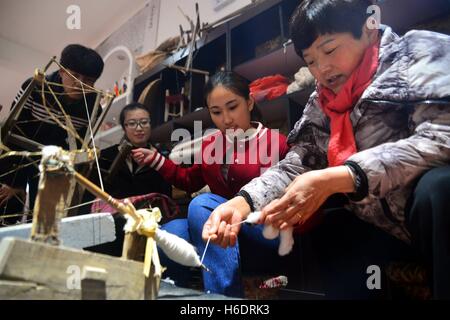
[(305, 195)]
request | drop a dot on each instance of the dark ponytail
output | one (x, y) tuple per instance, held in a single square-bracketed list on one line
[(236, 84)]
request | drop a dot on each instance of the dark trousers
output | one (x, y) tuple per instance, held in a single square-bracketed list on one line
[(344, 247), (428, 221), (340, 251)]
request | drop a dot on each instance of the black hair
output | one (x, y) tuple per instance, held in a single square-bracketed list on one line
[(83, 60), (236, 84), (130, 107), (313, 18)]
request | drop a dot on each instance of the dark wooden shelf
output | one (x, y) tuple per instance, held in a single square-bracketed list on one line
[(287, 107), (177, 56), (162, 133), (284, 108), (214, 33), (403, 15), (280, 61)]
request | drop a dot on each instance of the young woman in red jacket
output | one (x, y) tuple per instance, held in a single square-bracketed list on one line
[(237, 152)]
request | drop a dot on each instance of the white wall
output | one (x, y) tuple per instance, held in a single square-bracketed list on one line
[(17, 62), (171, 17)]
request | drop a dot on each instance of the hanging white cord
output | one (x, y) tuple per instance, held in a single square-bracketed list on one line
[(92, 137), (252, 218), (204, 251), (236, 224)]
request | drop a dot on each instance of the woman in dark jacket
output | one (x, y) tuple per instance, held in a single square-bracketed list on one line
[(131, 179), (128, 178)]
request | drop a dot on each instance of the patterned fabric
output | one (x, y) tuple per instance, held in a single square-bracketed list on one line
[(168, 207), (401, 126), (277, 282)]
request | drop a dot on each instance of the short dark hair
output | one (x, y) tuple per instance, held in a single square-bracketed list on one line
[(313, 18), (236, 84), (83, 60), (130, 107)]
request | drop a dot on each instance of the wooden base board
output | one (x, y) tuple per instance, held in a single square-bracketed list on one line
[(31, 270)]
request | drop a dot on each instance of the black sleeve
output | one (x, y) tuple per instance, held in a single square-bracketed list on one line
[(247, 198), (361, 183)]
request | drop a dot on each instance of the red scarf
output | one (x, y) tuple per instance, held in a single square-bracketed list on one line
[(338, 107)]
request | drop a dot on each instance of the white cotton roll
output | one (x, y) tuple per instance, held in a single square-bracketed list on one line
[(253, 217), (269, 232), (286, 241), (177, 249)]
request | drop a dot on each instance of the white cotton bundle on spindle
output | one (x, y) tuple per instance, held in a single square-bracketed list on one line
[(177, 249)]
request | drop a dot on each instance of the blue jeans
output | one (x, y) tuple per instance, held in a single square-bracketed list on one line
[(259, 254)]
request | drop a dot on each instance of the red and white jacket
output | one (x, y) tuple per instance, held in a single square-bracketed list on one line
[(226, 165)]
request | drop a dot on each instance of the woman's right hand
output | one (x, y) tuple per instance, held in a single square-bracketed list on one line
[(221, 224), (143, 156)]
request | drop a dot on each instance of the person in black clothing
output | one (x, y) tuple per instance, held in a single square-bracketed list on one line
[(130, 179), (79, 65)]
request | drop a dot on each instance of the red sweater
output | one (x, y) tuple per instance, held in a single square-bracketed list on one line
[(246, 159)]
